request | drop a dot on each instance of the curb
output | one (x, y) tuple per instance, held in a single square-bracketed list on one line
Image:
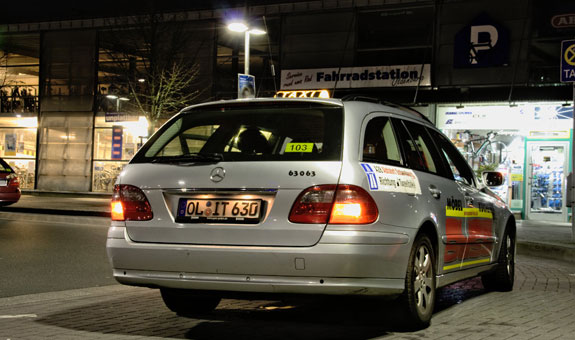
[(546, 250), (67, 194), (56, 212)]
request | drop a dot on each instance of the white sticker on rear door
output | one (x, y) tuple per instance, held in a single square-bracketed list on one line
[(391, 179)]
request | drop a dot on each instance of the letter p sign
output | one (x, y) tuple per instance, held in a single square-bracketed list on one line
[(482, 43), (482, 37)]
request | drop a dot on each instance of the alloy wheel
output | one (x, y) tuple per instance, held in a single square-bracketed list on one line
[(423, 280)]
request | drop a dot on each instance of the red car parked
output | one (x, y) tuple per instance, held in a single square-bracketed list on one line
[(9, 185)]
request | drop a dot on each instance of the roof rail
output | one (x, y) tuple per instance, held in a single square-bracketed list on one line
[(355, 97)]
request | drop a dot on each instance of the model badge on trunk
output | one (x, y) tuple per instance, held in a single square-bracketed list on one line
[(218, 174)]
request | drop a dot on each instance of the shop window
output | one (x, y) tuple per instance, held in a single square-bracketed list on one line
[(19, 69), (18, 148), (115, 143), (395, 37)]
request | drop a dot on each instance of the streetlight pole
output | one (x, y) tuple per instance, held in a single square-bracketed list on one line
[(241, 27), (247, 52)]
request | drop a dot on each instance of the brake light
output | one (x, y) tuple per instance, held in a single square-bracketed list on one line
[(13, 180), (117, 211), (129, 203), (341, 204)]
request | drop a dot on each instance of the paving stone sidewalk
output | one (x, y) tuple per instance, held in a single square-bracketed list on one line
[(540, 307)]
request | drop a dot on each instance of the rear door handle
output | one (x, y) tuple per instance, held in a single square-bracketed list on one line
[(436, 193)]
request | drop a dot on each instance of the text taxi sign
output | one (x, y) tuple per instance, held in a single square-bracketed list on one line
[(568, 61), (303, 94)]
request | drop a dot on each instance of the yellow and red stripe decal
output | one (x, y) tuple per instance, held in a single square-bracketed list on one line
[(466, 263), (468, 212), (473, 248)]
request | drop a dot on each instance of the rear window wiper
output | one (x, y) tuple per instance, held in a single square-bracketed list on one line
[(192, 157)]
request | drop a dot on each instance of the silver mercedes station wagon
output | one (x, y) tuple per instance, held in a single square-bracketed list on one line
[(305, 196)]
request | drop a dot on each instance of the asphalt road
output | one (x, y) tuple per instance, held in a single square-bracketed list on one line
[(55, 283), (45, 253)]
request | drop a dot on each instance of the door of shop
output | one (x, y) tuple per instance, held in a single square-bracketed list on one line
[(547, 164)]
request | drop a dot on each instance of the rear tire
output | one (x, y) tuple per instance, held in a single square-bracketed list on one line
[(188, 303), (503, 277), (418, 300)]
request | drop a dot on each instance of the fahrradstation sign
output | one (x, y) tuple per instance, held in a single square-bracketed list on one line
[(568, 61)]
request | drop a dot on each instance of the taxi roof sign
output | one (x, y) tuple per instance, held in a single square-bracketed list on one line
[(303, 94), (568, 61)]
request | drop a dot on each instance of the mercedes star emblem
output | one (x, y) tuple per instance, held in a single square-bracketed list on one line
[(218, 174)]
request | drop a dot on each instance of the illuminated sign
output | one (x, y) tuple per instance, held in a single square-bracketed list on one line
[(356, 77), (484, 43), (303, 94), (563, 21), (117, 141)]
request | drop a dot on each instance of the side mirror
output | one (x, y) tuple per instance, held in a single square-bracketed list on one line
[(492, 178)]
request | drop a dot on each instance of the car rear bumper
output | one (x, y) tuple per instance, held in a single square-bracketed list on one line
[(260, 284), (9, 197), (374, 265)]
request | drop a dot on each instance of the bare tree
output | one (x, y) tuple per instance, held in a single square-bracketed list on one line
[(154, 61)]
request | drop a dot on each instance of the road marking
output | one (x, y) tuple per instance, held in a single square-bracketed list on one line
[(18, 316)]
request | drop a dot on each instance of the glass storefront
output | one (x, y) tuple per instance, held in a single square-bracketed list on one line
[(114, 145), (529, 143), (18, 148), (19, 70)]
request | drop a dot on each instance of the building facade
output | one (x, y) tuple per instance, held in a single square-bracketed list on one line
[(486, 72)]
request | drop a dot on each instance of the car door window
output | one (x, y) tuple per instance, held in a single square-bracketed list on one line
[(379, 142), (460, 170), (418, 147)]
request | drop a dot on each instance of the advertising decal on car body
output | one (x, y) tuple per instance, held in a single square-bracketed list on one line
[(391, 179)]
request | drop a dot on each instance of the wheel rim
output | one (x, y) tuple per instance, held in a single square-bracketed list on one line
[(509, 255), (423, 280)]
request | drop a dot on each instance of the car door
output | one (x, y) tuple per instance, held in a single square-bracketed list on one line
[(394, 187), (478, 207), (442, 199)]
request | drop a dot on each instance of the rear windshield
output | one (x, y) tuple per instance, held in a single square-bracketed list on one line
[(254, 132), (5, 168)]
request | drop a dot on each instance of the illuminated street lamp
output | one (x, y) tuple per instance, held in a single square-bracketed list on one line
[(241, 27), (117, 99)]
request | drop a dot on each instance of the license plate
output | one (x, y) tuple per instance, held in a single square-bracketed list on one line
[(3, 182), (219, 211)]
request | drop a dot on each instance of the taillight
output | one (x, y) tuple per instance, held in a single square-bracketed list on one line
[(129, 203), (13, 180), (353, 205), (313, 205), (341, 204)]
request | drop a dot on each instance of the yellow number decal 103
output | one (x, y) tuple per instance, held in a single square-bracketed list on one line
[(299, 147)]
